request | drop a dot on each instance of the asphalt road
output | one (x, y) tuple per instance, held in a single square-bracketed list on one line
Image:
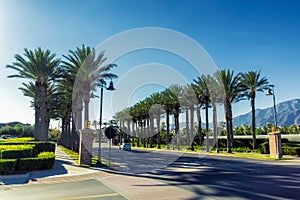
[(211, 176)]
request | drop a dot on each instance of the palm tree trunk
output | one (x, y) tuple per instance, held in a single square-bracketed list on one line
[(44, 113), (168, 127), (37, 105), (199, 126), (229, 126), (192, 127), (132, 134), (207, 127), (187, 129), (158, 129), (215, 122), (152, 132), (176, 116), (253, 122)]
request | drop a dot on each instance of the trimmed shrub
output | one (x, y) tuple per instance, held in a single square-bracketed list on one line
[(7, 166), (43, 147), (16, 153), (44, 160), (17, 140)]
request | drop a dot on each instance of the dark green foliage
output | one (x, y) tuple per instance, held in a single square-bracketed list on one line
[(44, 160), (7, 166), (264, 148), (238, 149), (241, 142), (16, 153), (43, 146), (39, 146), (17, 130), (291, 150)]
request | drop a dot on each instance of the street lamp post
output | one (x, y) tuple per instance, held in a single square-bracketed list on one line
[(110, 88), (270, 92)]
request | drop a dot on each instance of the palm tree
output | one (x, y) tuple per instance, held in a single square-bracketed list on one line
[(251, 83), (167, 103), (199, 105), (39, 66), (175, 93), (82, 68), (90, 72), (231, 94), (190, 100), (202, 83), (157, 112)]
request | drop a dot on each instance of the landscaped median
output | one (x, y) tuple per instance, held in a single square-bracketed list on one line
[(24, 154)]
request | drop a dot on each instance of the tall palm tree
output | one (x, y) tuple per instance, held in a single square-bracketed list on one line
[(175, 93), (202, 83), (231, 94), (91, 71), (157, 112), (251, 83), (190, 100), (199, 105), (39, 66), (83, 68), (167, 103)]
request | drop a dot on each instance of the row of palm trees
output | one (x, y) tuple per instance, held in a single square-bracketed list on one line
[(224, 87), (60, 87)]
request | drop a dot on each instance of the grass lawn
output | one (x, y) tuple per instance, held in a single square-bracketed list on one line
[(248, 155), (75, 157)]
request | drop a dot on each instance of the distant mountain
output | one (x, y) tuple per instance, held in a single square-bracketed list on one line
[(12, 124), (288, 113)]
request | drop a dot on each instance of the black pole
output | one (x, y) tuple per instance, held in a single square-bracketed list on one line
[(275, 112), (100, 124)]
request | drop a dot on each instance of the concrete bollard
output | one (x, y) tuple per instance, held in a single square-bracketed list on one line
[(86, 146), (275, 145)]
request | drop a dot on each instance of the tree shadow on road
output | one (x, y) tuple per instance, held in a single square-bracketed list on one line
[(219, 179)]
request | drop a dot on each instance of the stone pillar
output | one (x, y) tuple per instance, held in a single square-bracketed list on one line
[(275, 145), (86, 146)]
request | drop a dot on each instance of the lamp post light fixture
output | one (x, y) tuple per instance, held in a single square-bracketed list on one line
[(110, 88), (270, 92)]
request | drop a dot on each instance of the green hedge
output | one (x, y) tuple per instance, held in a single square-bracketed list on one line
[(42, 147), (288, 150), (16, 153), (17, 140), (45, 160), (38, 146), (241, 142), (7, 166)]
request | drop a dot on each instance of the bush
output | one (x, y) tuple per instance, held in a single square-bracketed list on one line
[(16, 153), (44, 160), (242, 149), (42, 147), (7, 166), (22, 140), (264, 148), (288, 150)]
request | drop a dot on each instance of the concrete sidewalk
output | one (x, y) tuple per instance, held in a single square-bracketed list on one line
[(63, 167)]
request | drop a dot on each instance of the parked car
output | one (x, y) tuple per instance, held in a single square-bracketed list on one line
[(125, 146)]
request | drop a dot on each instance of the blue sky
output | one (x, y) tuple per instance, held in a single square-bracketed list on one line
[(240, 35)]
